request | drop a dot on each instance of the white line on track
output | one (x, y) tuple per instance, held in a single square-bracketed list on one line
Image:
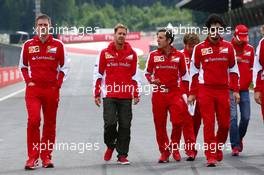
[(11, 95)]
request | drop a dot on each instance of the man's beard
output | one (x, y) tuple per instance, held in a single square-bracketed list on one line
[(120, 42), (215, 37)]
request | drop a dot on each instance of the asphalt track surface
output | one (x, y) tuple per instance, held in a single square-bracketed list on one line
[(80, 123)]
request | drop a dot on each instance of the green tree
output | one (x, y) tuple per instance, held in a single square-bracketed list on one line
[(12, 16), (61, 12)]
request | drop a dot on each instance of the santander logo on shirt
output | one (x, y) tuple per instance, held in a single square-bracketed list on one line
[(215, 59), (43, 58)]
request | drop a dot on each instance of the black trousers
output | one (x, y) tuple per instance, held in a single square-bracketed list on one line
[(117, 124)]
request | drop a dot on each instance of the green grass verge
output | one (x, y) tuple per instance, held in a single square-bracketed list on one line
[(142, 62)]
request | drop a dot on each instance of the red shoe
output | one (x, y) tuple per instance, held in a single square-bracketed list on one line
[(164, 157), (108, 154), (47, 163), (191, 156), (241, 145), (219, 155), (123, 160), (176, 156), (211, 162), (31, 164), (235, 151)]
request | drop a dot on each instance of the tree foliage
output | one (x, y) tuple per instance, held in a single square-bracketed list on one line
[(137, 15)]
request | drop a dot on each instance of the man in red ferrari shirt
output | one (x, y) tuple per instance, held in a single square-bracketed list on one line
[(116, 81), (258, 75), (213, 70), (43, 65), (191, 123), (244, 53), (165, 67)]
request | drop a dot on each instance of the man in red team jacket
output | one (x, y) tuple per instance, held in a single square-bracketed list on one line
[(191, 123), (43, 65), (245, 56), (165, 68), (117, 82), (213, 65), (258, 75)]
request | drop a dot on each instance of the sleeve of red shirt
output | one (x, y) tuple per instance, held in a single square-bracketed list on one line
[(136, 78), (258, 67), (99, 69), (23, 63), (233, 71), (194, 71), (252, 63), (63, 65), (149, 68), (184, 76)]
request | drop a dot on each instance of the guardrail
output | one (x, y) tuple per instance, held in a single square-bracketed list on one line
[(9, 75), (9, 59)]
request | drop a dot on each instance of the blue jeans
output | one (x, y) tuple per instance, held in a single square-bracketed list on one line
[(238, 132)]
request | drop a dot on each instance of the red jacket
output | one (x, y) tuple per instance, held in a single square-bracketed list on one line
[(115, 73), (187, 58), (43, 63), (245, 59), (213, 66), (188, 64), (258, 74), (169, 70)]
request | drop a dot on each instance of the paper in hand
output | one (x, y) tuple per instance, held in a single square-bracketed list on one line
[(191, 108)]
